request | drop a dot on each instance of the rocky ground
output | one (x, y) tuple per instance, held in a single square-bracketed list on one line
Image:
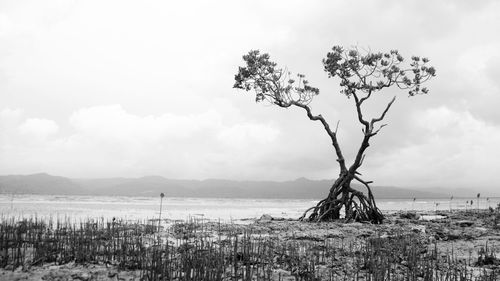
[(471, 237), (466, 233)]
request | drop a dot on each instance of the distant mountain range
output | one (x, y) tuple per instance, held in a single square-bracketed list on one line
[(301, 188)]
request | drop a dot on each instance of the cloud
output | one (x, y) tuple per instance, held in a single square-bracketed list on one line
[(115, 96), (9, 116), (109, 140), (114, 123), (240, 134), (457, 150), (15, 126), (39, 128)]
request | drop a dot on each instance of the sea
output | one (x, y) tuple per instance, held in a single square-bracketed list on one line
[(81, 208)]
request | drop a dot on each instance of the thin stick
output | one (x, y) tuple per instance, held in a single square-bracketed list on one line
[(161, 203)]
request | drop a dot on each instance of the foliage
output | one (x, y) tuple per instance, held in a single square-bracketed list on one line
[(369, 72), (271, 83)]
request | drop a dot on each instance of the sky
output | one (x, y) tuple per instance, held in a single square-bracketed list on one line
[(133, 88)]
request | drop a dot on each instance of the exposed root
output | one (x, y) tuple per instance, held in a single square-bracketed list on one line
[(357, 206)]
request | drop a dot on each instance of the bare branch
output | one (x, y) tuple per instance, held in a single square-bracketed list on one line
[(360, 114), (366, 97), (378, 130), (374, 120), (333, 135)]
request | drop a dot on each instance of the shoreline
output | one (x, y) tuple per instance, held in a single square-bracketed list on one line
[(139, 208)]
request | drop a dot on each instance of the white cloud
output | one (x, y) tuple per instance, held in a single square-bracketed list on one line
[(114, 123), (10, 117), (171, 69), (439, 120), (457, 150), (38, 128), (474, 65), (241, 135), (108, 140)]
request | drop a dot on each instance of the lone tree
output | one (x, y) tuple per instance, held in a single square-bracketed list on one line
[(362, 75)]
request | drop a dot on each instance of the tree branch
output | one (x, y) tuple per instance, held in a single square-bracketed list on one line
[(378, 130), (360, 114), (366, 97), (333, 135), (375, 120)]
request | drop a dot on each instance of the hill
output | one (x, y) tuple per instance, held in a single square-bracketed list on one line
[(39, 184), (301, 188)]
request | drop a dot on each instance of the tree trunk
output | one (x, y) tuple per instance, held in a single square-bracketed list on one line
[(355, 204)]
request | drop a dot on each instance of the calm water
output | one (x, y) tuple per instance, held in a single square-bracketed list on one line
[(80, 207)]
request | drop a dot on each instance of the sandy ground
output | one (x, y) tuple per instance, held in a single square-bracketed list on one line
[(463, 233)]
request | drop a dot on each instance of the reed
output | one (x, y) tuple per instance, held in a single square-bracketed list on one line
[(200, 250)]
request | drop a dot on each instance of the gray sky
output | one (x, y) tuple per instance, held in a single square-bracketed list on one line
[(122, 88)]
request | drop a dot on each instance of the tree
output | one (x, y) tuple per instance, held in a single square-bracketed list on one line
[(362, 75)]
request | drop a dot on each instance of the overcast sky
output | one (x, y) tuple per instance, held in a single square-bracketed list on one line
[(135, 88)]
